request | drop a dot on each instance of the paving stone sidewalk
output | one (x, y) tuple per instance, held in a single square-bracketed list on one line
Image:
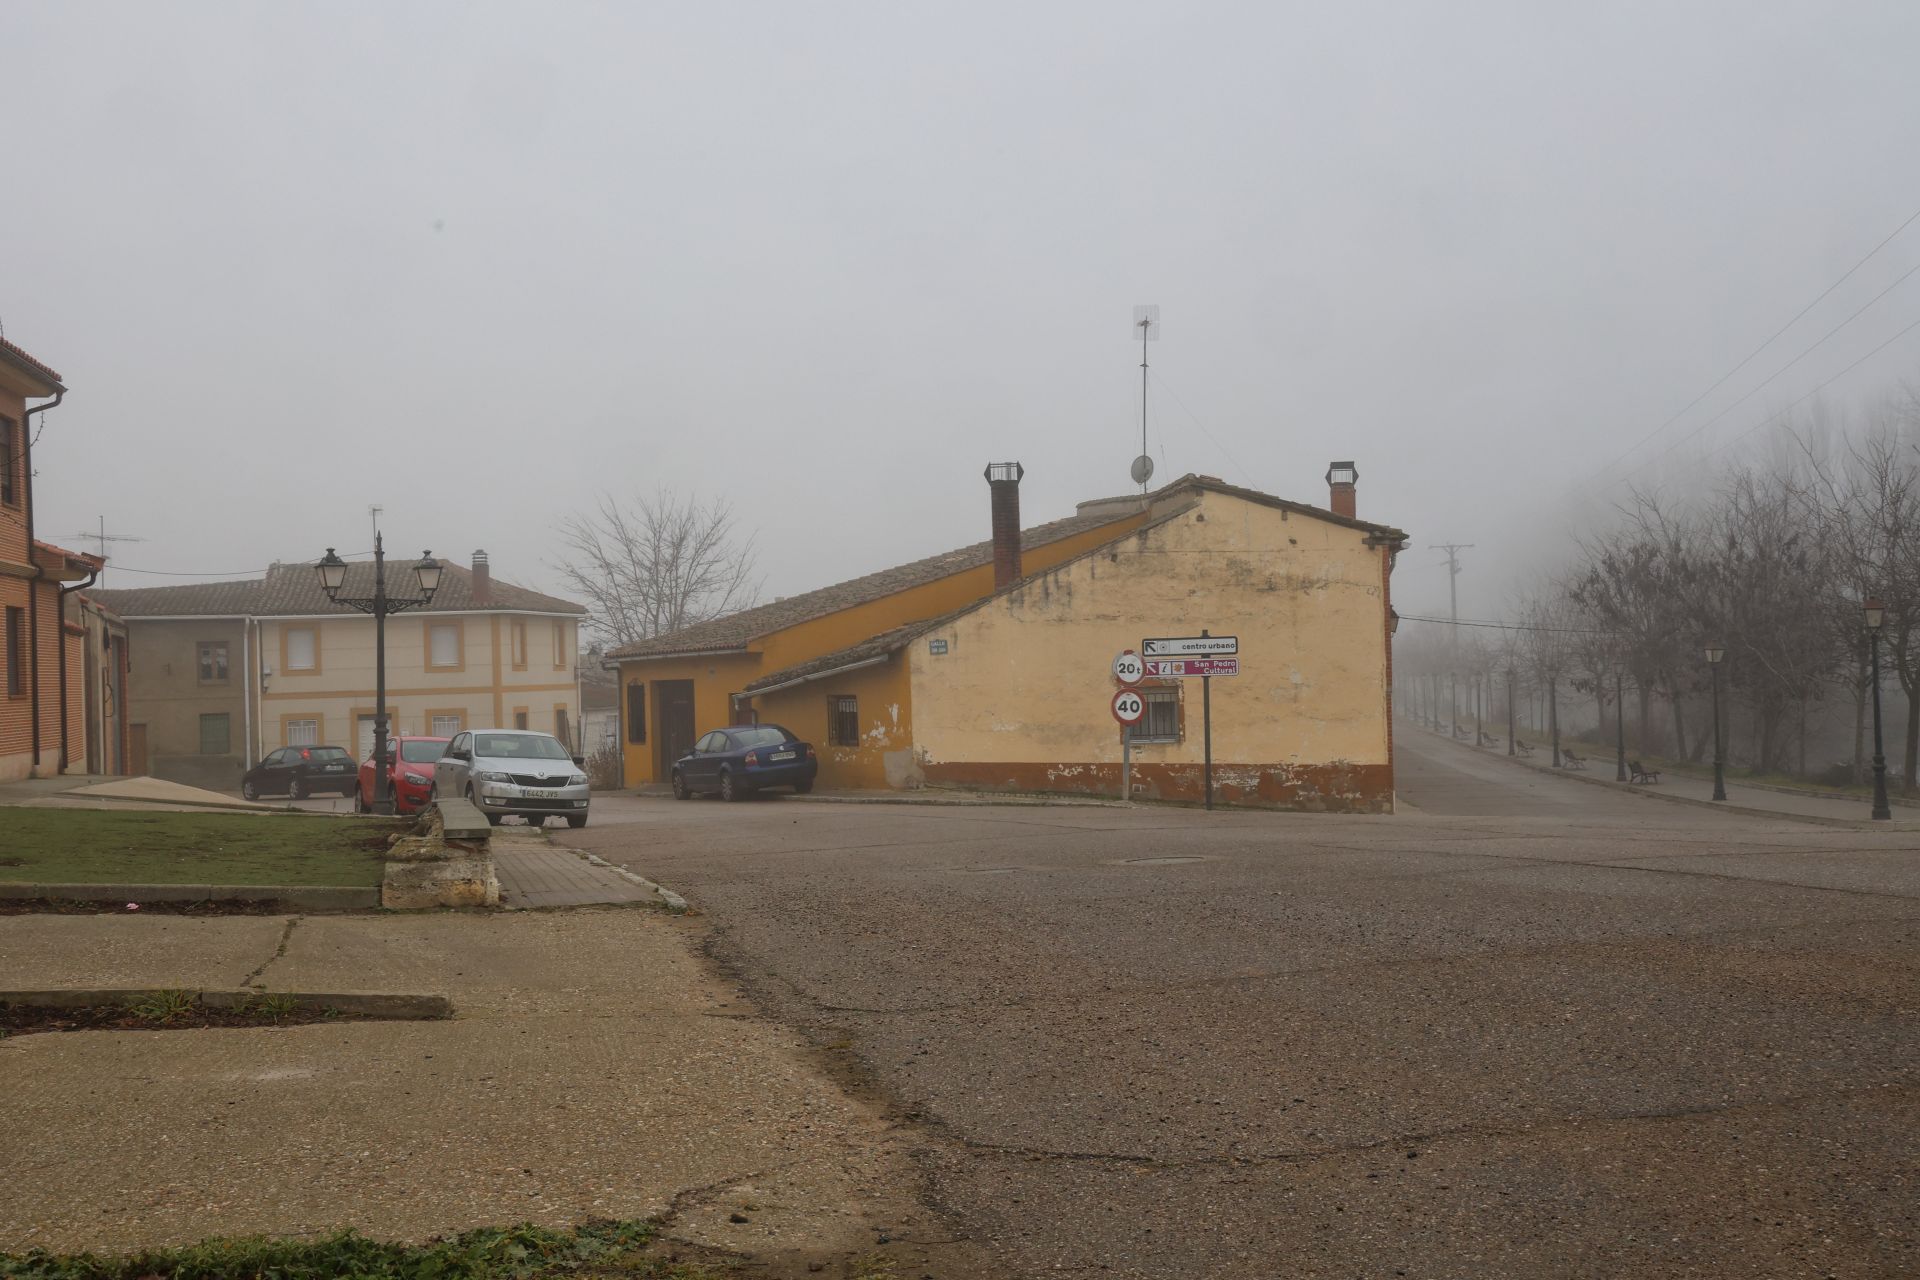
[(536, 874)]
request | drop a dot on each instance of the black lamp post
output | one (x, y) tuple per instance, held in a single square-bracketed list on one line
[(333, 576), (1876, 617), (1620, 726), (1716, 652)]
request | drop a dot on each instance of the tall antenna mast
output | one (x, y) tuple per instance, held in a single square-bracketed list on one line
[(101, 538), (375, 513), (1146, 323)]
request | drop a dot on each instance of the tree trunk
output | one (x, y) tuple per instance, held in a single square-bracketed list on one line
[(1646, 721), (1553, 718), (1803, 735), (1860, 730), (1912, 737), (1679, 725)]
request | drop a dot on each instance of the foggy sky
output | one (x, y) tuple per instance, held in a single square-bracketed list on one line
[(476, 262)]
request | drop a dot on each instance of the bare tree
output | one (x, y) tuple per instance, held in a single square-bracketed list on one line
[(656, 564)]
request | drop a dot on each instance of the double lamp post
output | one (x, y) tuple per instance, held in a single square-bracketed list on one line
[(333, 577)]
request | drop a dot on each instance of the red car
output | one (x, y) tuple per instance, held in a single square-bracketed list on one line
[(410, 776)]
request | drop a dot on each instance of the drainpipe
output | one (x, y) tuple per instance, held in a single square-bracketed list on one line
[(66, 748), (33, 595)]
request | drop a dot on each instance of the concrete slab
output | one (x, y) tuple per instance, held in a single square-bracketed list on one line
[(151, 791), (131, 950), (534, 873)]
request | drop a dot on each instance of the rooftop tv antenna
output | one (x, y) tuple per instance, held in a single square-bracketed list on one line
[(1146, 324), (375, 513), (100, 539)]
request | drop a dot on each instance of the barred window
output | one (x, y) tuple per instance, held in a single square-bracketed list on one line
[(1161, 723), (843, 721)]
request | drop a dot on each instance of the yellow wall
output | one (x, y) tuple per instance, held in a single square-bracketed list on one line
[(884, 756), (718, 676), (1027, 677)]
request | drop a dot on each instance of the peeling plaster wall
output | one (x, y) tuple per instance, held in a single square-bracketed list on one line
[(884, 756), (1020, 698)]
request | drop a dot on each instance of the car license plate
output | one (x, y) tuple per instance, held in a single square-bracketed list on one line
[(781, 755), (531, 794), (336, 768)]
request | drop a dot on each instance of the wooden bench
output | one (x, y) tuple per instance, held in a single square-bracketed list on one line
[(1572, 761), (1522, 747), (1641, 773)]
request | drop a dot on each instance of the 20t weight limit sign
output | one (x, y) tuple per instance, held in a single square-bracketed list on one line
[(1129, 706)]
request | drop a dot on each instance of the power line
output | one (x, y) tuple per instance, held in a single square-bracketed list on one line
[(1797, 316), (217, 573), (1792, 405), (1161, 381), (1761, 386), (1506, 626)]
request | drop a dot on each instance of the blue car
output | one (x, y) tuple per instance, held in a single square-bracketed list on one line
[(744, 758)]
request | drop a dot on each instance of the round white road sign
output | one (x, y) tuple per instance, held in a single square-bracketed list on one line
[(1128, 668), (1129, 706)]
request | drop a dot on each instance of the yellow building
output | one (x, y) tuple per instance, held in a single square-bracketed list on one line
[(223, 673), (1011, 688)]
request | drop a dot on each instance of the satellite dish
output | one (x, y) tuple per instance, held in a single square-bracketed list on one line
[(1142, 469)]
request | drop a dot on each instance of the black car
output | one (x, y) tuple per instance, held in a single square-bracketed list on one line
[(743, 758), (298, 772)]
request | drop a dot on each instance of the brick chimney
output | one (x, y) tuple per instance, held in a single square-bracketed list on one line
[(1003, 478), (482, 579), (1341, 479)]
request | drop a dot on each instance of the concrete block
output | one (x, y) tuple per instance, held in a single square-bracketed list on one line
[(460, 819), (464, 880)]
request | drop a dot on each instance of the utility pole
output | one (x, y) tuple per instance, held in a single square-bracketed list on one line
[(1453, 550)]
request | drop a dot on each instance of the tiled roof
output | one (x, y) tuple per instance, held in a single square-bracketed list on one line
[(294, 590), (876, 647), (21, 357), (737, 629)]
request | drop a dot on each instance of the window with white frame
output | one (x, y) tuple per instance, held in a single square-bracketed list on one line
[(303, 649), (303, 733), (445, 726), (444, 639)]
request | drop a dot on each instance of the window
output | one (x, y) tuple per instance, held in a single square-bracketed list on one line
[(216, 735), (9, 464), (1162, 721), (303, 733), (559, 646), (213, 662), (443, 645), (561, 729), (517, 636), (520, 719), (16, 652), (303, 649), (741, 709), (636, 712), (843, 721), (446, 726)]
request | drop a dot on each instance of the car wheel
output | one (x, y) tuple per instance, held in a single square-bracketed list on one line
[(535, 823), (729, 790), (297, 789), (680, 789), (360, 801), (493, 819), (576, 820), (801, 788), (249, 792)]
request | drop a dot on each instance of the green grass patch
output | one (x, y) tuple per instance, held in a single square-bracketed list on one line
[(491, 1253), (95, 846)]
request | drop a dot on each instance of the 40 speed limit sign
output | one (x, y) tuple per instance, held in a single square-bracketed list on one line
[(1129, 706)]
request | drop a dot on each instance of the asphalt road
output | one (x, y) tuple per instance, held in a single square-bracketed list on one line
[(1525, 1028)]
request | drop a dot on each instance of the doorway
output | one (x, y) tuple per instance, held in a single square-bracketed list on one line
[(672, 723), (137, 748)]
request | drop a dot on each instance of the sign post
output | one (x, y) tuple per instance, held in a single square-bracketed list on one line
[(1128, 669), (1206, 720)]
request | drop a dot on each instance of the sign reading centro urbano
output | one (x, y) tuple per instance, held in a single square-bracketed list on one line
[(1164, 667), (1190, 647)]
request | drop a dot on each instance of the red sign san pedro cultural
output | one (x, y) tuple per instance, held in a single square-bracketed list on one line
[(1164, 667)]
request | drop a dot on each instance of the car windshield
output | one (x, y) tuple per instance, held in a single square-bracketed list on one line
[(766, 735), (518, 746), (329, 754), (422, 752)]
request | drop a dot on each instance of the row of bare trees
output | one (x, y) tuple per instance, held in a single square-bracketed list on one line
[(1772, 562)]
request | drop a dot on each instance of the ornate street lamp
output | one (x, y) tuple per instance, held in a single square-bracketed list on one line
[(333, 577), (1716, 652), (1876, 618)]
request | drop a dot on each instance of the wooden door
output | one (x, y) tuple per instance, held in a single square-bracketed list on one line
[(137, 748), (673, 722)]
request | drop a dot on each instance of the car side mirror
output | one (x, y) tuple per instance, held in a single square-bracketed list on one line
[(579, 762)]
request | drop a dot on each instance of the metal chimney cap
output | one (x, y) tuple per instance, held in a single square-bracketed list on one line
[(1342, 473), (997, 471)]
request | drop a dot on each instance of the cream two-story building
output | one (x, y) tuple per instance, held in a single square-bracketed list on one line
[(221, 673)]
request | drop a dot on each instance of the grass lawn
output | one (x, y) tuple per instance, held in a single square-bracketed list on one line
[(94, 846)]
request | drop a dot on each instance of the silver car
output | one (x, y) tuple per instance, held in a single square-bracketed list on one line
[(514, 771)]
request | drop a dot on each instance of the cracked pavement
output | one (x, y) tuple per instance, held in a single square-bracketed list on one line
[(1528, 1027)]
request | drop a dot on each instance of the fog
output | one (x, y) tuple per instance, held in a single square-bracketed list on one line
[(476, 263)]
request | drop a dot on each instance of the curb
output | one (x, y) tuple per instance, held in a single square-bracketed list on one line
[(674, 902), (367, 1004), (307, 898), (1718, 806), (971, 800)]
